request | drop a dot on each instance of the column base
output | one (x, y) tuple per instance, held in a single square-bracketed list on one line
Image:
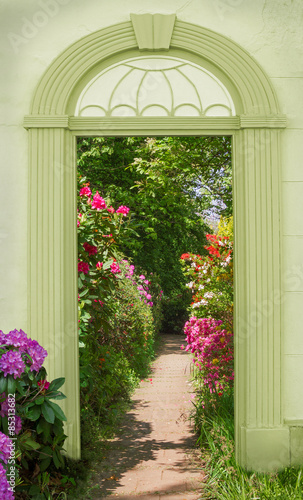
[(265, 450)]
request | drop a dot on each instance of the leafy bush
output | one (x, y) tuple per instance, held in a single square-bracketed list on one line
[(28, 411), (119, 308)]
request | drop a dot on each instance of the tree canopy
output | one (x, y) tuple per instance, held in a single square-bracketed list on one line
[(171, 185)]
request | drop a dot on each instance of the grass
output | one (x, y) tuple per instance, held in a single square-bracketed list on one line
[(225, 479)]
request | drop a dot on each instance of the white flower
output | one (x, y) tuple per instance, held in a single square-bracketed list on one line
[(209, 295), (190, 284)]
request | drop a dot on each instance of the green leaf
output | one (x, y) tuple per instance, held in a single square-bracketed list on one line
[(45, 463), (3, 384), (44, 426), (56, 460), (56, 384), (107, 264), (57, 410), (34, 413), (34, 489), (11, 384), (39, 400), (30, 444), (48, 413)]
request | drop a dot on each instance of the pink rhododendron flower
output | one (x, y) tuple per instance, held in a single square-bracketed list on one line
[(98, 202), (122, 210), (142, 277), (111, 210), (91, 249), (83, 267), (99, 265), (115, 269), (85, 191)]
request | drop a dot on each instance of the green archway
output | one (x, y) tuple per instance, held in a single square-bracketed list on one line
[(262, 441)]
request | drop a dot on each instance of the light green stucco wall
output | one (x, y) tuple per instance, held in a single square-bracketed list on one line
[(35, 32)]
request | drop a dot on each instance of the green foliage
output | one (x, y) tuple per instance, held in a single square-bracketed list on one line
[(167, 183)]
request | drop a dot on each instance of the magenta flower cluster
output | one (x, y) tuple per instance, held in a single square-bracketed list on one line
[(6, 446), (142, 286), (6, 492), (212, 349), (18, 346)]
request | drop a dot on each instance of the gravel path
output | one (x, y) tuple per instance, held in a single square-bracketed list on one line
[(152, 457)]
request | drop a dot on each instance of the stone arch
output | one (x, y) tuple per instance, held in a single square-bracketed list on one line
[(262, 440)]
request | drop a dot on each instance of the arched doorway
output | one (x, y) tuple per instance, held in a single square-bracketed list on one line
[(58, 116)]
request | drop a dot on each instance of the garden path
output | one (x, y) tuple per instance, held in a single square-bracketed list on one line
[(153, 456)]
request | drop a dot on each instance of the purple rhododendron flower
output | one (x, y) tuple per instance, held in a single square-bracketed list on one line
[(15, 338), (5, 489), (18, 424), (11, 363), (5, 447), (37, 353)]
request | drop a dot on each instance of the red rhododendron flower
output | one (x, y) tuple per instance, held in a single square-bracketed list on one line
[(185, 256), (83, 267), (91, 249), (43, 384)]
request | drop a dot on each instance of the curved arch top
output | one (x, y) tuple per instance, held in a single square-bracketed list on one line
[(256, 94)]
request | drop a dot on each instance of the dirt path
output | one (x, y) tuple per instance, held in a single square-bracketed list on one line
[(150, 457)]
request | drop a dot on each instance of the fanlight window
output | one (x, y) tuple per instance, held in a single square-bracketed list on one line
[(155, 86)]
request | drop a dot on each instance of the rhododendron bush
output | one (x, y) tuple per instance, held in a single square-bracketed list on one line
[(119, 306), (209, 332), (29, 416)]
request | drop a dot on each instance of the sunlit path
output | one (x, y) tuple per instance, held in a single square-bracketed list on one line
[(152, 457)]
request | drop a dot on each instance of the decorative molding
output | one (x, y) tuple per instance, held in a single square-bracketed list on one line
[(152, 124), (293, 422), (153, 31), (78, 123), (277, 121), (45, 121)]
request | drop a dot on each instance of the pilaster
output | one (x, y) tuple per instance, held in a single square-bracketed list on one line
[(52, 275)]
